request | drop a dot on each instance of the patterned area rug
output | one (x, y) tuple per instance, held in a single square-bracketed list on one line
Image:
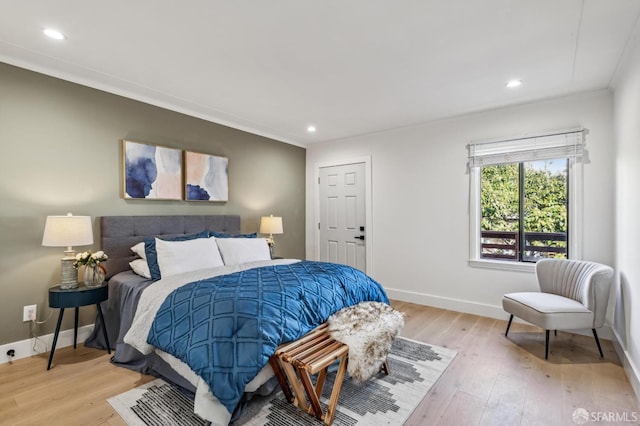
[(383, 400)]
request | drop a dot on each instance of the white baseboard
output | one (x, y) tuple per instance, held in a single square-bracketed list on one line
[(633, 373), (481, 309), (25, 348), (465, 306)]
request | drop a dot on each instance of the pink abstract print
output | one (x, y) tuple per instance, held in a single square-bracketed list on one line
[(207, 177)]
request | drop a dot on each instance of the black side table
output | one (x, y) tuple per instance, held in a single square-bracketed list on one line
[(74, 298)]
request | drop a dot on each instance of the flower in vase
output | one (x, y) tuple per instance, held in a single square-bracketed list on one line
[(90, 259)]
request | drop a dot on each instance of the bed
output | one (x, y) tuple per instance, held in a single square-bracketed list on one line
[(247, 305)]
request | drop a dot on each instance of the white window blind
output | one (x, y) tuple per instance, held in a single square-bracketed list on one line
[(565, 144)]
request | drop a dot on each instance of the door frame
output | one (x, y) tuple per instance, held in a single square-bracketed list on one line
[(368, 205)]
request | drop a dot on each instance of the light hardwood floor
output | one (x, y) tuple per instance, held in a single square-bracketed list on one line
[(492, 381)]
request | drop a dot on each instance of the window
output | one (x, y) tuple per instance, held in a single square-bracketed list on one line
[(523, 209), (525, 198)]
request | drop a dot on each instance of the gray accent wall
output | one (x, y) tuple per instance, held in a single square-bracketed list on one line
[(61, 146)]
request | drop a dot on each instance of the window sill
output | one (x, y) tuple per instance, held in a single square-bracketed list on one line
[(503, 265)]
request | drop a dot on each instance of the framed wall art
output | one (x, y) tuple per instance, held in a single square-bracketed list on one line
[(151, 172), (207, 177)]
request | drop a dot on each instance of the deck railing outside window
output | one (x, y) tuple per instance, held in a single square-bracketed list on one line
[(505, 245)]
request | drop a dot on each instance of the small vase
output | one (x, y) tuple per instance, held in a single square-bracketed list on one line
[(93, 276)]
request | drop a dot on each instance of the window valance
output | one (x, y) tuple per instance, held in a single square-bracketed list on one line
[(561, 144)]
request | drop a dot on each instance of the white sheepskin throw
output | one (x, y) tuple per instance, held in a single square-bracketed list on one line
[(369, 329)]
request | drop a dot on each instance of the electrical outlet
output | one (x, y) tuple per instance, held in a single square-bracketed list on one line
[(29, 313)]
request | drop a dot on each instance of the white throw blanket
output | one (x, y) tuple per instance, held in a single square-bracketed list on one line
[(206, 405), (369, 329)]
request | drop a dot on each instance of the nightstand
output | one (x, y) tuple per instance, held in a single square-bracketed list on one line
[(74, 298)]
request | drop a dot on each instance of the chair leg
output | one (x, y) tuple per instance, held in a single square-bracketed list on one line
[(546, 346), (555, 333), (597, 342), (508, 326)]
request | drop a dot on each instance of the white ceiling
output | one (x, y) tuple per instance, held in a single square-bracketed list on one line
[(348, 67)]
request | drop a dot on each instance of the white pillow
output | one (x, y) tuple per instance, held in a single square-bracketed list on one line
[(141, 268), (176, 257), (242, 250), (139, 250)]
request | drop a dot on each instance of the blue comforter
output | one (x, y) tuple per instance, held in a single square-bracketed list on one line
[(226, 328)]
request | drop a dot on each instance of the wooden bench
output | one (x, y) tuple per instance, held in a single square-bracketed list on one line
[(295, 362)]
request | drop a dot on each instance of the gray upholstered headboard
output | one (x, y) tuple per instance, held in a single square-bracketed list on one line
[(119, 233)]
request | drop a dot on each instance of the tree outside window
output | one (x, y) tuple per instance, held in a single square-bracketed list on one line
[(524, 210)]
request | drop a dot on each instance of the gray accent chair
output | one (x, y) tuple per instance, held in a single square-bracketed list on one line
[(574, 294)]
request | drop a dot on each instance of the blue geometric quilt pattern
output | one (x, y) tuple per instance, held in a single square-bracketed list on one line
[(226, 328)]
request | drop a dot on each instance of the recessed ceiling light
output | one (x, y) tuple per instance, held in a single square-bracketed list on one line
[(311, 129), (54, 34), (513, 83)]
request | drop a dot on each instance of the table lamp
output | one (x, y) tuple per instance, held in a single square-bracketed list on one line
[(67, 231), (271, 225)]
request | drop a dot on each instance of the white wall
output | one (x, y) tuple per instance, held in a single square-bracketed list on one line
[(420, 229), (627, 131)]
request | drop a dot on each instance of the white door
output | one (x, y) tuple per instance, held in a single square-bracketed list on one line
[(342, 215)]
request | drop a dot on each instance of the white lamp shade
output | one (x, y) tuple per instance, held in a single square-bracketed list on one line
[(271, 225), (67, 231)]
